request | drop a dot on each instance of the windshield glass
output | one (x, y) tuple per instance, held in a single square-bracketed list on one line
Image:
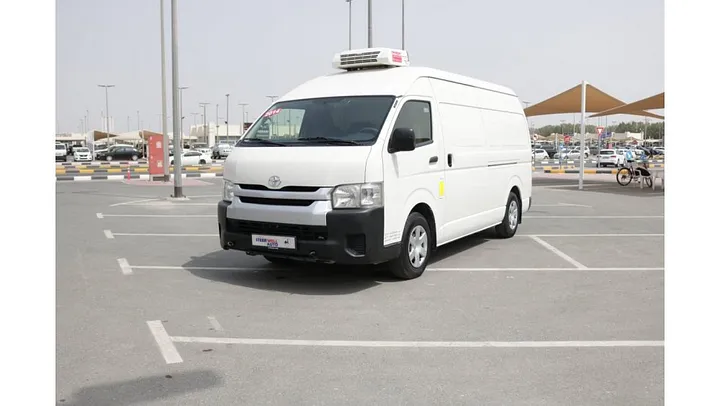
[(607, 152), (352, 120), (59, 146), (82, 150)]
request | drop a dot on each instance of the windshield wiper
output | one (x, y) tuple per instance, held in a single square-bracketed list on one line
[(264, 141), (332, 141)]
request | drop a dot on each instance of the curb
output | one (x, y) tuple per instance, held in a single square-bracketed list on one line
[(132, 170), (123, 177), (545, 168), (557, 161), (588, 171)]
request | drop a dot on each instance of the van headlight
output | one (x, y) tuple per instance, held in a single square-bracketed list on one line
[(357, 196), (227, 194)]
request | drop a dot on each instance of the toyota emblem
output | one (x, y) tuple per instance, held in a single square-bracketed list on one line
[(274, 182)]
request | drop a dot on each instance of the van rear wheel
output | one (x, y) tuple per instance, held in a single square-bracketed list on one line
[(510, 222), (415, 250)]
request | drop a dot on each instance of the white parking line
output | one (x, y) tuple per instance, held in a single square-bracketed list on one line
[(417, 344), (157, 235), (561, 205), (593, 217), (103, 215), (517, 235), (108, 234), (239, 269), (214, 323), (164, 342), (133, 202), (124, 266), (559, 253)]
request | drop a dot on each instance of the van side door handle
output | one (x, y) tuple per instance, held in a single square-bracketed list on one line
[(433, 160), (449, 159)]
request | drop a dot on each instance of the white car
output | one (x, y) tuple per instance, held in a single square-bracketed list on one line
[(610, 157), (193, 157), (60, 152), (540, 154), (82, 154)]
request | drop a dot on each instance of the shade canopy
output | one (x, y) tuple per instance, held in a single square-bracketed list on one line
[(570, 101), (650, 103)]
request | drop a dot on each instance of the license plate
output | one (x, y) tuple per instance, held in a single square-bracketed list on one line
[(273, 242)]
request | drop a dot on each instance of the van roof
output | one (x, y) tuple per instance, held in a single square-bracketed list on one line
[(388, 81)]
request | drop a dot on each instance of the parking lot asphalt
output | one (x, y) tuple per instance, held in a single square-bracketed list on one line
[(150, 309)]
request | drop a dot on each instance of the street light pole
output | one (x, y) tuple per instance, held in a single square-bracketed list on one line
[(403, 24), (242, 125), (182, 117), (107, 115), (217, 120), (205, 132), (349, 2), (227, 117), (369, 17), (163, 126), (272, 119), (138, 118), (177, 125)]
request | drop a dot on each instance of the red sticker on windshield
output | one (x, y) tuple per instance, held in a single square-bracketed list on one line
[(272, 113)]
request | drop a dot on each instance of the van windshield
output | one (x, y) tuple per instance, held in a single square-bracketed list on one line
[(352, 120)]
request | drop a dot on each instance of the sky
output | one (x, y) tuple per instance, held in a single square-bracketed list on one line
[(252, 49)]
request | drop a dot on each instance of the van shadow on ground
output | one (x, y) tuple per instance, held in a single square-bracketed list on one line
[(144, 390), (317, 279)]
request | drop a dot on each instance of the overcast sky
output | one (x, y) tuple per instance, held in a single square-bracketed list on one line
[(254, 48)]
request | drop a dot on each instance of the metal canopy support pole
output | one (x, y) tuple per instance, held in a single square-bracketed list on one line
[(166, 151), (177, 126), (582, 134)]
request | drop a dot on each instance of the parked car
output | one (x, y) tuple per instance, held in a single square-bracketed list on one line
[(194, 157), (220, 151), (540, 154), (119, 153), (60, 152), (610, 157), (82, 154)]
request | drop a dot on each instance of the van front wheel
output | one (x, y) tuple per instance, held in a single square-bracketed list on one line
[(415, 248), (510, 222)]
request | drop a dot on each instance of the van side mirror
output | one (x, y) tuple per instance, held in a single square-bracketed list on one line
[(402, 139)]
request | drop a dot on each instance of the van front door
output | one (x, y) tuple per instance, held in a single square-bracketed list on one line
[(411, 177)]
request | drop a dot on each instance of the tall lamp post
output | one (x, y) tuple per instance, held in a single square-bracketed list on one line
[(163, 125), (204, 115), (402, 23), (107, 114), (349, 2), (369, 24), (242, 125), (272, 119), (227, 117), (177, 124)]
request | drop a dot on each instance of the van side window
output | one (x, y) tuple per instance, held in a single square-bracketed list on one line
[(416, 114)]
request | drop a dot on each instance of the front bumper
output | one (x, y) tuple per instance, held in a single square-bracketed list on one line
[(349, 237)]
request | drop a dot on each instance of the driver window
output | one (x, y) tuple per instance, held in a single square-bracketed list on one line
[(415, 114)]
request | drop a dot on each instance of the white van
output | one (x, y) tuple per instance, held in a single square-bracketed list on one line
[(381, 162)]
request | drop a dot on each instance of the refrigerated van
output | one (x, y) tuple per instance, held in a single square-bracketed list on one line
[(380, 162)]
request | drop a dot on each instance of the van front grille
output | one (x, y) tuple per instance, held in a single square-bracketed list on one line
[(301, 232), (283, 189), (276, 202)]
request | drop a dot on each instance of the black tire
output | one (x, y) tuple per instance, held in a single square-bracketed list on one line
[(202, 162), (624, 176), (134, 157), (402, 267), (108, 158), (279, 261), (511, 221)]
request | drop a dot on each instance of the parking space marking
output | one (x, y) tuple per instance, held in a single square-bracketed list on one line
[(562, 205), (517, 235), (430, 269), (133, 202), (108, 234), (417, 344), (103, 215), (157, 235), (593, 217), (593, 235), (559, 253), (125, 266), (164, 342), (214, 323)]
